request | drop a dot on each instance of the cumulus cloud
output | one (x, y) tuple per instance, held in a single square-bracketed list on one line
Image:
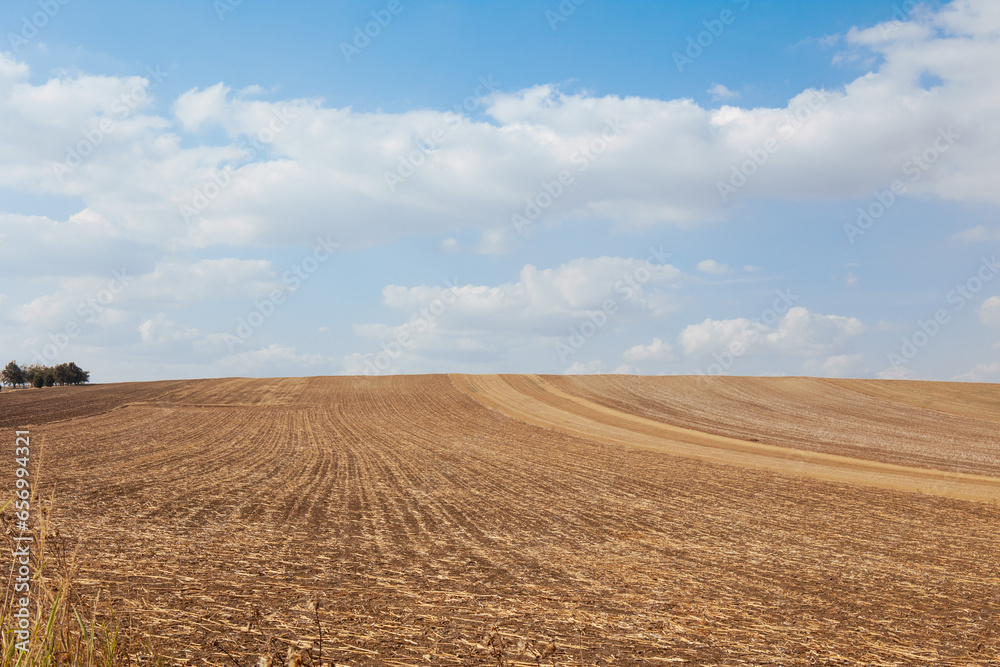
[(989, 312), (796, 333), (482, 322), (982, 373), (84, 243), (598, 367), (196, 107), (122, 317), (977, 234), (274, 360), (187, 283), (901, 372), (712, 267), (585, 368), (286, 159), (544, 299), (837, 366), (161, 330), (658, 350), (110, 297), (720, 92)]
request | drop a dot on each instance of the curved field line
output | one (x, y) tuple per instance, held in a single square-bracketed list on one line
[(533, 400), (967, 399), (812, 414)]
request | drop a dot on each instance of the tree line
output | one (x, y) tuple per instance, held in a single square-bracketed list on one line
[(43, 376)]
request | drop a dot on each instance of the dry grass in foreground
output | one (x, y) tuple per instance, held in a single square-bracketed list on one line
[(56, 627)]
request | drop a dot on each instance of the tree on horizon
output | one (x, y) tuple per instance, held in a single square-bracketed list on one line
[(37, 375), (12, 375)]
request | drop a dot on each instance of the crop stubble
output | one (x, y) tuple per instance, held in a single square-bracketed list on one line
[(424, 510)]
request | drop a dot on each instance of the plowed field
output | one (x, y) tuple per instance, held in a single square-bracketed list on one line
[(524, 520)]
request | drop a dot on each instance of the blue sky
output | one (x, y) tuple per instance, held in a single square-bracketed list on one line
[(739, 187)]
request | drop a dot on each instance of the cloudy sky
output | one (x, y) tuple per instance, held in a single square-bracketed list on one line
[(748, 187)]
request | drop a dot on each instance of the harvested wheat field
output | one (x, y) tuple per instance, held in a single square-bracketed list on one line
[(525, 520)]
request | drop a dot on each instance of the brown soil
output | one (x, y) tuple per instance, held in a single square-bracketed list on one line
[(20, 408), (934, 425), (452, 519)]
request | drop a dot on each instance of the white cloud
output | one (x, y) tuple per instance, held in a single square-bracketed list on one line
[(117, 316), (585, 368), (901, 372), (797, 333), (978, 233), (883, 325), (495, 241), (658, 350), (545, 298), (712, 267), (802, 332), (837, 366), (160, 330), (190, 282), (982, 373), (720, 92), (714, 335), (274, 360), (481, 323), (335, 159), (85, 240), (108, 299), (989, 312), (196, 107)]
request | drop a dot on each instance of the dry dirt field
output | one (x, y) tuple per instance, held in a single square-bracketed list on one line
[(533, 520)]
